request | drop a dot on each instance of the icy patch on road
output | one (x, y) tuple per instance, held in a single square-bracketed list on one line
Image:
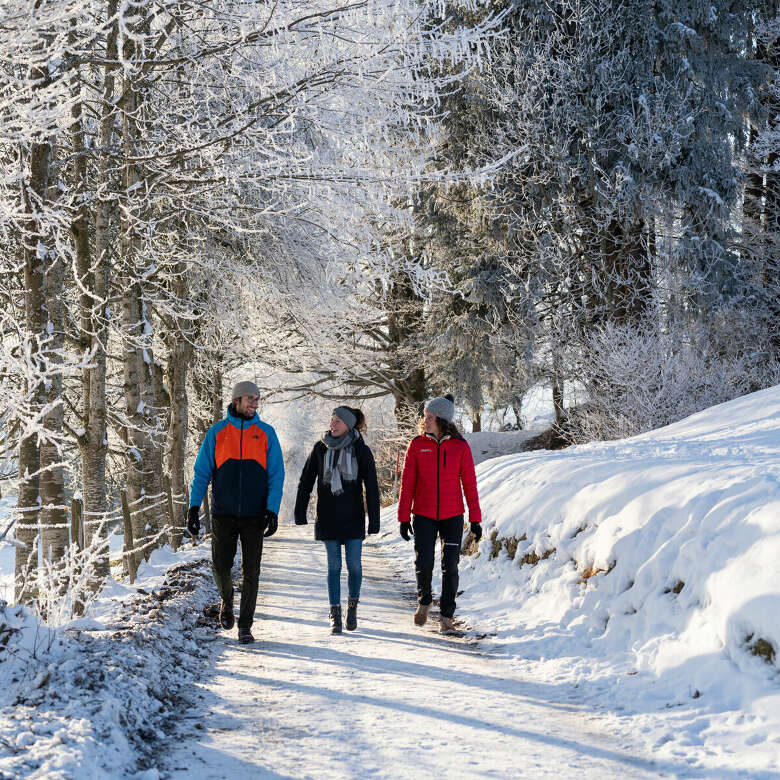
[(94, 698)]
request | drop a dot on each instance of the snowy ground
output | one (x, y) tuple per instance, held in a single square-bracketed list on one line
[(95, 698), (645, 573), (390, 700), (621, 620)]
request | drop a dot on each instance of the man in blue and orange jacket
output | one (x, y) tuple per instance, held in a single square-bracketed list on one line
[(242, 459)]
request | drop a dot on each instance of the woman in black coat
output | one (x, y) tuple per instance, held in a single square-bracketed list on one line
[(342, 464)]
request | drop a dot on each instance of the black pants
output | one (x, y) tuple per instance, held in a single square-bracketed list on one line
[(225, 533), (425, 533)]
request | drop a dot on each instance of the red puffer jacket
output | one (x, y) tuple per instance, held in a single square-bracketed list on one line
[(431, 482)]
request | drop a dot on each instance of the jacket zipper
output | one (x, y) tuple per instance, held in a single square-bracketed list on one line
[(241, 467), (437, 480)]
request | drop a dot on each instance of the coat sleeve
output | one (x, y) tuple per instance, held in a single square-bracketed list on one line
[(408, 484), (305, 485), (372, 490), (274, 461), (468, 478), (203, 471)]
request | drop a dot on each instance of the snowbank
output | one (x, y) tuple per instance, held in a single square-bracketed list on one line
[(93, 698), (647, 571)]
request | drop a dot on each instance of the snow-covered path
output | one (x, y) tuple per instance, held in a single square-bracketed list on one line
[(390, 700)]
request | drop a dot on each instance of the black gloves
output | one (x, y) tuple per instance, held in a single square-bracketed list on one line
[(373, 527), (193, 520), (476, 530), (301, 520), (406, 529), (271, 523)]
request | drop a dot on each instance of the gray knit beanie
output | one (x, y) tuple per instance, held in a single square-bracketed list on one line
[(346, 416), (441, 407), (241, 389)]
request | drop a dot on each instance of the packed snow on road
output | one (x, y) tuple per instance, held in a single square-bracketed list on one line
[(618, 619)]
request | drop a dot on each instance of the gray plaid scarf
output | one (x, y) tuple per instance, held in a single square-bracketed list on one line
[(340, 460)]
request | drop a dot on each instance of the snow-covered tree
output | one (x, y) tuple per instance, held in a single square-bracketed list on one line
[(157, 152)]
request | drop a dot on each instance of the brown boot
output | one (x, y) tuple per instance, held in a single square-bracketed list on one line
[(446, 624), (422, 614)]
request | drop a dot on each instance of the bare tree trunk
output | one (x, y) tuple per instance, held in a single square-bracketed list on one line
[(34, 195), (476, 422), (210, 409), (55, 530), (179, 357), (410, 395), (557, 397), (771, 275), (627, 272), (404, 321), (156, 403), (136, 373), (217, 402), (770, 54), (93, 310), (135, 435), (26, 558)]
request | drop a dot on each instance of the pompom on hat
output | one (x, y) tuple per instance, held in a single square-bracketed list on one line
[(443, 406)]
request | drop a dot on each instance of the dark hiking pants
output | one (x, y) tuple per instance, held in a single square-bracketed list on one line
[(425, 533), (225, 533)]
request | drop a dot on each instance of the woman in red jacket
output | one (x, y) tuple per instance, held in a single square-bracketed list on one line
[(438, 470)]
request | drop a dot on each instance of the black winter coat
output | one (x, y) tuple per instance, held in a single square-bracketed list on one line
[(340, 517)]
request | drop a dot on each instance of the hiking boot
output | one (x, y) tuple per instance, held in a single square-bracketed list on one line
[(226, 617), (422, 614), (335, 620), (351, 614), (245, 636), (446, 624)]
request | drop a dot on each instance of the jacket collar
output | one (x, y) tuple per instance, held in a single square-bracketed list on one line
[(438, 441), (239, 421)]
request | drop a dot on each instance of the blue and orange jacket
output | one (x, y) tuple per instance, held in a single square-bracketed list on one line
[(243, 461)]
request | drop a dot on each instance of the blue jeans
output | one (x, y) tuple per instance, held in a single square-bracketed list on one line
[(352, 550)]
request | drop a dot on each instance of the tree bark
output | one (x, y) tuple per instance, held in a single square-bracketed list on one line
[(93, 272), (180, 355), (156, 403), (770, 53), (54, 531), (627, 271), (137, 373), (404, 322), (557, 397), (34, 196)]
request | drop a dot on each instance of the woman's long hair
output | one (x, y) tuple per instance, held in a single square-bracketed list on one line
[(446, 428)]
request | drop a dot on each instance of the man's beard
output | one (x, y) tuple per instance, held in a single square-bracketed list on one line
[(242, 413)]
